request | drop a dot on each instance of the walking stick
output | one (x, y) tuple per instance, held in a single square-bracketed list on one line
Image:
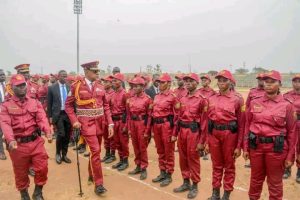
[(76, 136)]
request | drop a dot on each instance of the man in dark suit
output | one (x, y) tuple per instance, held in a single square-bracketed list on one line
[(57, 95), (153, 90)]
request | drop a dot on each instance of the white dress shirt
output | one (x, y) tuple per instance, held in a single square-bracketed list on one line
[(2, 91), (61, 94)]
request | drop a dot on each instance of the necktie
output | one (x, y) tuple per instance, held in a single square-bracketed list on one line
[(3, 91), (64, 93)]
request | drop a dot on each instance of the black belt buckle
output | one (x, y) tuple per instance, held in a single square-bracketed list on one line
[(159, 120), (266, 140), (134, 117), (116, 118)]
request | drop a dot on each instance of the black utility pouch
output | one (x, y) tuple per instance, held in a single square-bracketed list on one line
[(210, 126), (124, 117), (171, 120)]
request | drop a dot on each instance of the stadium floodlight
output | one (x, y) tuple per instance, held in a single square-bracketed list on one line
[(77, 11)]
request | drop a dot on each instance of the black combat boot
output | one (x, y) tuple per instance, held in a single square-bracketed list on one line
[(287, 173), (298, 176), (226, 195), (112, 158), (184, 187), (193, 191), (118, 164), (137, 170), (38, 194), (215, 194), (107, 155), (99, 190), (124, 164), (166, 181), (160, 177), (24, 195), (143, 174)]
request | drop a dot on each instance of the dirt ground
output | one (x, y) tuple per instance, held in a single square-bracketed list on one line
[(63, 181)]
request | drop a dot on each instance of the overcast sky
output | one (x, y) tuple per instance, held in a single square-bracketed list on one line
[(214, 34)]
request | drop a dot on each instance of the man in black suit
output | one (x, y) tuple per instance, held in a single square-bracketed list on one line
[(153, 90), (57, 95)]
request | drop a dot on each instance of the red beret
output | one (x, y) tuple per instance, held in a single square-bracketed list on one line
[(17, 79), (91, 66), (192, 76), (165, 77), (36, 76), (46, 77), (22, 68), (273, 75), (226, 74), (119, 77)]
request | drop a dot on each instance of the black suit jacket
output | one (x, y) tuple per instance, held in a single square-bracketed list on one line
[(151, 92), (54, 101)]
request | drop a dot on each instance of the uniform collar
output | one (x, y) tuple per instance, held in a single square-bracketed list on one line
[(166, 92), (206, 89), (277, 98), (228, 94)]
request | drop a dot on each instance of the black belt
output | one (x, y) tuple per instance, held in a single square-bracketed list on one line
[(160, 120), (221, 127), (265, 140), (138, 117), (27, 139), (116, 117), (188, 124)]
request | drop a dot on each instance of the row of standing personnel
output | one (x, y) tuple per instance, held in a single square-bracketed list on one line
[(213, 123)]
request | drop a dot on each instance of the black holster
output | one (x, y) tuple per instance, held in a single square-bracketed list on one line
[(252, 140), (124, 117), (146, 120), (233, 126), (279, 143), (194, 127), (210, 126), (171, 120), (39, 132)]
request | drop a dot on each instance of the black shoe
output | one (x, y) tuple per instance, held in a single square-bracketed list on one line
[(118, 164), (184, 187), (66, 159), (31, 171), (298, 176), (226, 195), (287, 173), (166, 181), (193, 191), (58, 158), (90, 180), (160, 177), (99, 190), (143, 175), (124, 164), (24, 195), (137, 170), (82, 149), (215, 194), (107, 155), (38, 194), (111, 159), (87, 154)]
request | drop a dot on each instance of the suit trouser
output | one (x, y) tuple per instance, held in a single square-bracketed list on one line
[(1, 142), (63, 134)]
